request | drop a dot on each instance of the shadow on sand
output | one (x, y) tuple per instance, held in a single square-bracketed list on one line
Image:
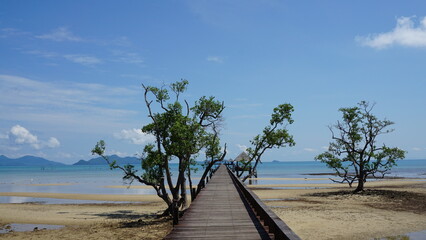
[(132, 219)]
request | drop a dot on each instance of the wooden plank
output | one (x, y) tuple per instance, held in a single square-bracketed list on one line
[(219, 212)]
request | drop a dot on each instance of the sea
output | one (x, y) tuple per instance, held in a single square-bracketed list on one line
[(95, 179)]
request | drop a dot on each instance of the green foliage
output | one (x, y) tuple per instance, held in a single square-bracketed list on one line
[(208, 110), (275, 135), (213, 148), (272, 136), (246, 164), (354, 154), (179, 87), (180, 133), (151, 163), (99, 148)]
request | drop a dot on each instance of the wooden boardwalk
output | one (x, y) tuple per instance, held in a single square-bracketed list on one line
[(219, 212)]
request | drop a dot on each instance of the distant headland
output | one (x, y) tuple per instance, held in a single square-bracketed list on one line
[(42, 162)]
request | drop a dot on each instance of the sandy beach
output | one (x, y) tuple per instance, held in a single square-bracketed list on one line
[(388, 208), (313, 211), (88, 221)]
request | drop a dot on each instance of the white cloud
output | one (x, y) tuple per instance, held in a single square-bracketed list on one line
[(88, 60), (215, 59), (416, 149), (53, 142), (60, 35), (75, 58), (81, 107), (242, 147), (82, 59), (405, 34), (21, 135), (136, 136), (63, 34)]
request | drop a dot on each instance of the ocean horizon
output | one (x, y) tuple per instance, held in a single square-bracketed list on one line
[(100, 179)]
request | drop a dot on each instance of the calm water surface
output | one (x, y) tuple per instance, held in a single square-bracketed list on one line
[(94, 179)]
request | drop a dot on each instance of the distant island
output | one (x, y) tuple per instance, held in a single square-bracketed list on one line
[(101, 161), (275, 161), (42, 162), (27, 161)]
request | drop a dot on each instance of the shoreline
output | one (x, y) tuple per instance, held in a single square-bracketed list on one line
[(369, 177), (94, 197), (322, 213)]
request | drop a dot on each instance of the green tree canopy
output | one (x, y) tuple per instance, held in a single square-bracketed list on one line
[(354, 153), (275, 135), (181, 133)]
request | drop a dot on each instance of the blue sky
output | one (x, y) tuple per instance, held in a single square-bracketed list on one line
[(71, 71)]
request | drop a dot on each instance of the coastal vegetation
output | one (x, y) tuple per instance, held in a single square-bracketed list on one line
[(354, 153), (181, 133), (275, 135)]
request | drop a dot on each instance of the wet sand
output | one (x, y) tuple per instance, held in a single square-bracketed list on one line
[(88, 221)]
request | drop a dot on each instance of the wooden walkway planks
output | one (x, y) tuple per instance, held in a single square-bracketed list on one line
[(219, 212)]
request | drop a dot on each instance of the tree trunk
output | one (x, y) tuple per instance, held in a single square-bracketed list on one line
[(361, 181), (168, 211), (190, 184), (175, 212), (183, 194), (200, 183)]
